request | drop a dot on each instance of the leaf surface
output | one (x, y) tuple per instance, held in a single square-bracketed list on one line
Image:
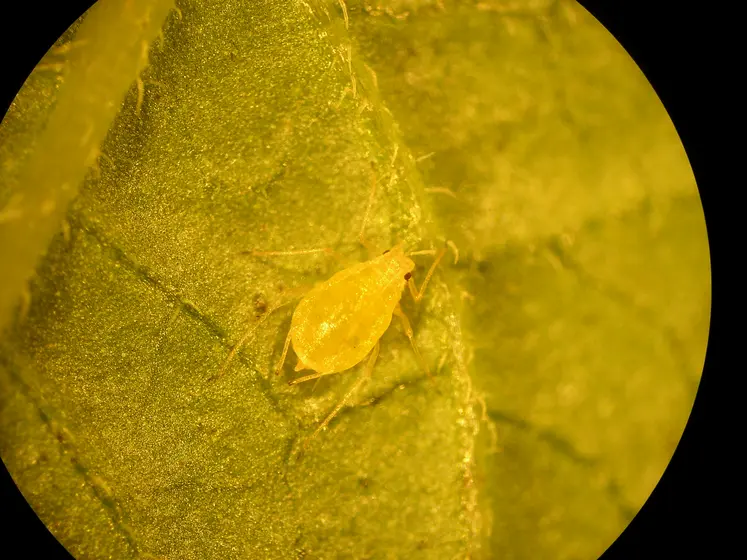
[(568, 338)]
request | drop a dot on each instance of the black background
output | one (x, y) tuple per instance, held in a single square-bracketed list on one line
[(684, 51)]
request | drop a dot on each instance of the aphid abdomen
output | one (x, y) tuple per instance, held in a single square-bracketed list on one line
[(338, 323)]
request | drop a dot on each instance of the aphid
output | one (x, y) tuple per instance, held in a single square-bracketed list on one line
[(340, 321)]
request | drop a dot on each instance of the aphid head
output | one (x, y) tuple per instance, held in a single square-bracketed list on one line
[(401, 264)]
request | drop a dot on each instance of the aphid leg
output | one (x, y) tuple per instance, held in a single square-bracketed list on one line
[(442, 190), (416, 294), (279, 367), (309, 377), (408, 332), (454, 249), (246, 337), (363, 378), (423, 252), (449, 243)]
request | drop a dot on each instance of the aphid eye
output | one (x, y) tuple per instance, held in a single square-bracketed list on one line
[(408, 276)]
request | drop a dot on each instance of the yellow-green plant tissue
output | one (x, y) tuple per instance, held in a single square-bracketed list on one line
[(176, 177)]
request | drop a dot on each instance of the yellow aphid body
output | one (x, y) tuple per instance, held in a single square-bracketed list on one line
[(339, 321)]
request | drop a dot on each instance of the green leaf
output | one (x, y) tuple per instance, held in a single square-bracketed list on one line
[(567, 339), (49, 167), (584, 269)]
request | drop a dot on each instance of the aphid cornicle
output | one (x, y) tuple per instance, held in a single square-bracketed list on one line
[(340, 321)]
